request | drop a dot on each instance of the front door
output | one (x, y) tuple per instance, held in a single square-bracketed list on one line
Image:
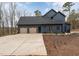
[(39, 29)]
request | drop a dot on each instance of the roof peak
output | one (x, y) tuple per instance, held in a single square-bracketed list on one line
[(49, 11), (61, 13), (53, 10)]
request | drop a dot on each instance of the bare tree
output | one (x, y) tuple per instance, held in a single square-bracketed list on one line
[(18, 13), (6, 20), (0, 16), (1, 19), (15, 22), (12, 15)]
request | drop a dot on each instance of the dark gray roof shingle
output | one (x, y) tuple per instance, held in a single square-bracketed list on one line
[(35, 20), (31, 20)]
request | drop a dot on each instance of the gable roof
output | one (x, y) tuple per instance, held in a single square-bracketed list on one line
[(31, 20), (57, 13), (50, 11), (61, 13)]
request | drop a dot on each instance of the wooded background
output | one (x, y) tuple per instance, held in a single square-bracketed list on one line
[(9, 16)]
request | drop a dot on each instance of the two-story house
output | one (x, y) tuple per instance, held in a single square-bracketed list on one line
[(51, 22)]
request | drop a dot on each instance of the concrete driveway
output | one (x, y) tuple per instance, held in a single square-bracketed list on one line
[(22, 44)]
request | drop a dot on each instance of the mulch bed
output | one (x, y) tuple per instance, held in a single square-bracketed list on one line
[(61, 45)]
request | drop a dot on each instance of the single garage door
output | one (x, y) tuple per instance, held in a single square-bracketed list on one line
[(23, 30), (33, 30)]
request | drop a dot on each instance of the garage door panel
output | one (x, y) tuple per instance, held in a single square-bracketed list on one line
[(23, 30), (33, 30)]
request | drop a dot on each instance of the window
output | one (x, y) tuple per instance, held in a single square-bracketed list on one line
[(51, 17)]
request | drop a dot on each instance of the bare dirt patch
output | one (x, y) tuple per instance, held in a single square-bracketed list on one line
[(63, 45)]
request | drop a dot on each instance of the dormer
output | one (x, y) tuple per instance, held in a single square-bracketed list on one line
[(50, 13)]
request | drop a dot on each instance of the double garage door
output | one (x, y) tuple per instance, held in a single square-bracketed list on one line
[(28, 30)]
